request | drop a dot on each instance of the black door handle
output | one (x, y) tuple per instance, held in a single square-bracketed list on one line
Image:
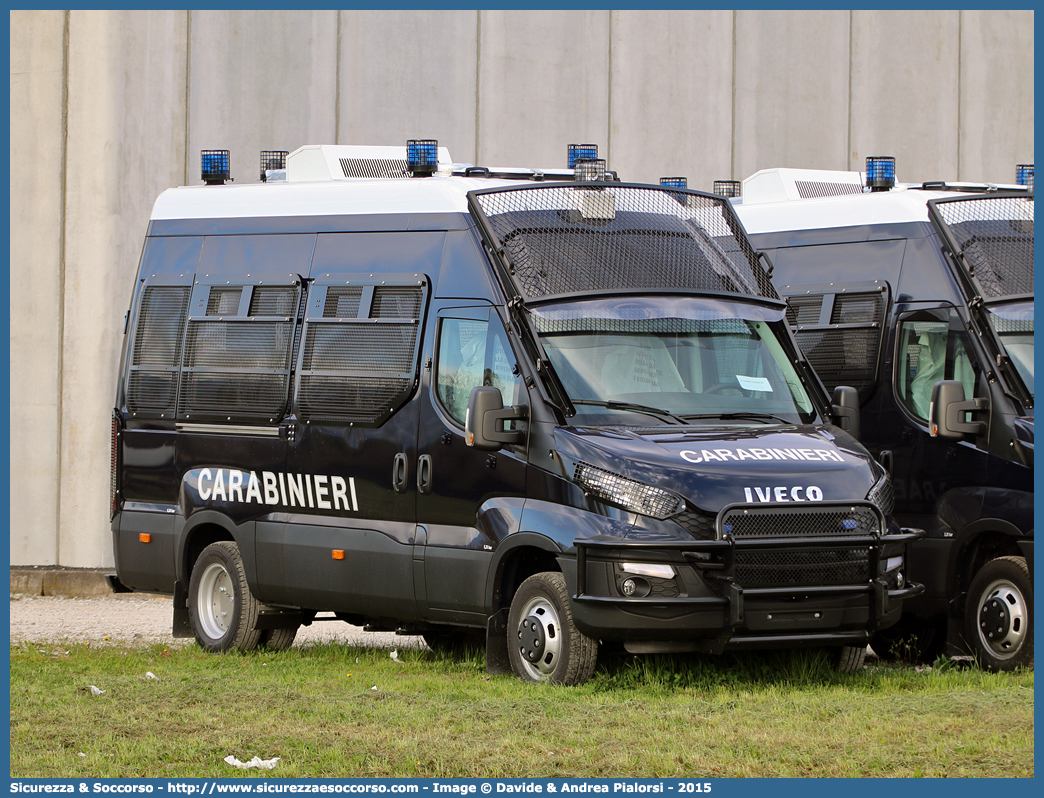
[(424, 473), (399, 470)]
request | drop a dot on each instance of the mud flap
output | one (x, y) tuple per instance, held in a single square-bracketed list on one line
[(497, 661), (181, 626)]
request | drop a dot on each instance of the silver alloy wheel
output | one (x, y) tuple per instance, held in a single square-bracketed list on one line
[(1001, 619), (215, 601), (546, 641)]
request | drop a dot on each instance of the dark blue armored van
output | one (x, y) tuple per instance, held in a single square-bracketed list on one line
[(545, 407), (921, 297)]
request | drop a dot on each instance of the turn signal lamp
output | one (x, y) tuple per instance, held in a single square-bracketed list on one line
[(674, 182), (272, 159), (1024, 175), (144, 537), (422, 157), (728, 188), (337, 554), (581, 152), (880, 172), (214, 165)]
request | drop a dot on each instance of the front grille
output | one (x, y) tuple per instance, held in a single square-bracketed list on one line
[(696, 524), (808, 521), (792, 568)]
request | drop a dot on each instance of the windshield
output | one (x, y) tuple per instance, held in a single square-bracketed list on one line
[(671, 360), (1013, 324)]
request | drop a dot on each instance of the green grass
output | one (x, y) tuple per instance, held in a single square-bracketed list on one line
[(762, 714)]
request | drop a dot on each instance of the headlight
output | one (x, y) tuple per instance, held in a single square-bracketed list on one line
[(627, 493), (882, 496)]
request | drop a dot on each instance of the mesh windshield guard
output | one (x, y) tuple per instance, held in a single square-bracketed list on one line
[(588, 238), (995, 236)]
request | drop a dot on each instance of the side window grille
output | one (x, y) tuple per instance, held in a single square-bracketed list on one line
[(153, 381), (224, 301), (342, 302), (270, 300), (802, 310), (238, 367), (858, 308), (396, 302), (360, 370), (845, 351)]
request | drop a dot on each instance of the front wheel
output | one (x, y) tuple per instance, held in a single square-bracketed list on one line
[(221, 607), (849, 659), (544, 644), (998, 616)]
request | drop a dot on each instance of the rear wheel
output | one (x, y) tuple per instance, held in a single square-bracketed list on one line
[(221, 608), (544, 644), (278, 639), (998, 616)]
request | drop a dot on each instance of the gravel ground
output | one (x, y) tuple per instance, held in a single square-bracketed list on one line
[(140, 619)]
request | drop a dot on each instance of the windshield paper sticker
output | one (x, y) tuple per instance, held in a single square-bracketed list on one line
[(754, 383), (290, 490), (721, 455)]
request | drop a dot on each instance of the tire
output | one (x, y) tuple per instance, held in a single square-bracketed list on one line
[(912, 640), (544, 644), (455, 641), (998, 618), (278, 639), (221, 608), (850, 659)]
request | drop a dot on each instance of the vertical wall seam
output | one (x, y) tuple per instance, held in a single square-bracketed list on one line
[(188, 93), (851, 69), (62, 216), (960, 70), (337, 84), (478, 82), (609, 97), (735, 60)]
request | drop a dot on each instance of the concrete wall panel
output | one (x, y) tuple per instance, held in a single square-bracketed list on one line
[(792, 79), (126, 144), (906, 107), (671, 102), (543, 84), (37, 162), (110, 108), (260, 80), (996, 130), (400, 80)]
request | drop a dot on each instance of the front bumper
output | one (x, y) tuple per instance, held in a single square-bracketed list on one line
[(733, 593)]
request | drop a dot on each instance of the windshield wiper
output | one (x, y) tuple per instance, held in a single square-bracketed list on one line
[(649, 411), (759, 416)]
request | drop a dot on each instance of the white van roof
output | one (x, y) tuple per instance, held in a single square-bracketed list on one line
[(811, 199)]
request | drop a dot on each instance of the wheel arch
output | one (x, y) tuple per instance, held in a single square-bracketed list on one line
[(981, 541), (202, 529), (516, 559)]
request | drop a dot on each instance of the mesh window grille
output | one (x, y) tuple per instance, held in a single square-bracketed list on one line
[(153, 382), (845, 351), (564, 240), (224, 301), (360, 370), (995, 235)]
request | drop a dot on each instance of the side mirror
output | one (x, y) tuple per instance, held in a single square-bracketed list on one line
[(845, 409), (946, 418), (484, 423)]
